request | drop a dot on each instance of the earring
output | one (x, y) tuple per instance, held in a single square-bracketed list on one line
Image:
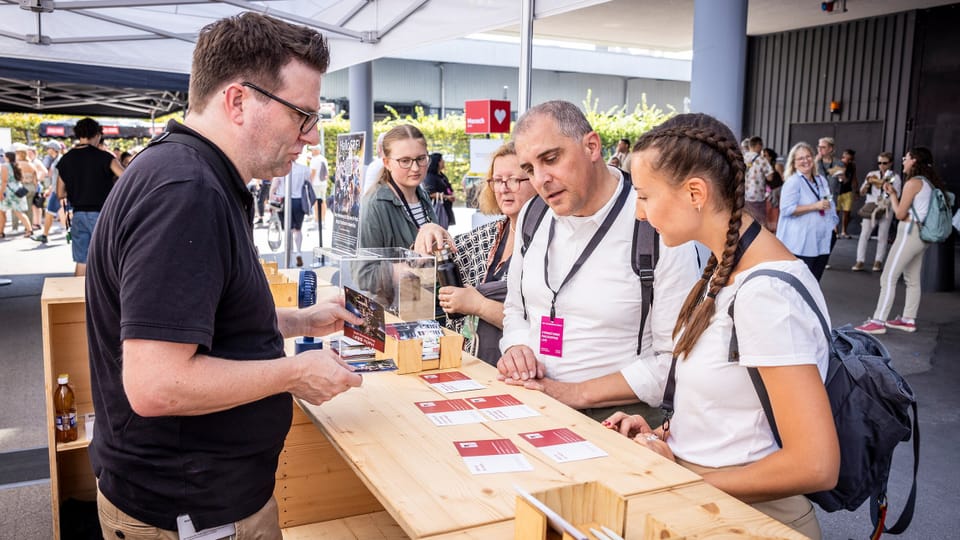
[(698, 209)]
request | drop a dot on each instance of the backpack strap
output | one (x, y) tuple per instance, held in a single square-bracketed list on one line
[(532, 217), (646, 253), (878, 505)]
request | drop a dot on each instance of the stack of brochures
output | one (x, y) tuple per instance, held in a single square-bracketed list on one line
[(428, 330), (351, 350)]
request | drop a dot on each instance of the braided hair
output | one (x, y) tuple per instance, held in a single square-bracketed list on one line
[(690, 145)]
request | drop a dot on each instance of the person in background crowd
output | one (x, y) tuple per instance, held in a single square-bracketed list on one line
[(9, 183), (125, 158), (87, 175), (53, 206), (483, 257), (808, 216), (880, 220), (31, 178), (202, 385), (438, 187), (301, 203), (622, 151), (595, 363), (614, 162), (689, 177), (774, 184), (906, 256), (759, 173), (38, 203), (319, 176), (847, 186), (372, 175)]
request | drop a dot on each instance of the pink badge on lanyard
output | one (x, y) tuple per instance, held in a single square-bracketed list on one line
[(551, 336)]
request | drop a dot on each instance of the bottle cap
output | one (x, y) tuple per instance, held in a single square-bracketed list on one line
[(63, 378)]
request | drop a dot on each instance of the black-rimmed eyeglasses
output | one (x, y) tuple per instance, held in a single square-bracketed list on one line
[(310, 119), (407, 162)]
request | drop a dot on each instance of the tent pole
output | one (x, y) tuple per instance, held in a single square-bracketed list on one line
[(526, 52)]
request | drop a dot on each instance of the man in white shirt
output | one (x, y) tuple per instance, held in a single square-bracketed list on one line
[(574, 336)]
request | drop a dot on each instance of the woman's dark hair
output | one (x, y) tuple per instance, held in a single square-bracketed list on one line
[(12, 160), (434, 167), (690, 145), (924, 166), (772, 153)]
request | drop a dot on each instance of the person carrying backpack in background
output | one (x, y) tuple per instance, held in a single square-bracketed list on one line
[(906, 256), (689, 177)]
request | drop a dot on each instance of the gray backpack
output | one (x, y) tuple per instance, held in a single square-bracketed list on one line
[(871, 406)]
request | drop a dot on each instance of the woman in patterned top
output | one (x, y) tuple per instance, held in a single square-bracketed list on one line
[(483, 255)]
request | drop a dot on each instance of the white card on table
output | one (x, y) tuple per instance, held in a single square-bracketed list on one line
[(502, 407), (563, 445), (492, 456), (451, 381), (449, 412)]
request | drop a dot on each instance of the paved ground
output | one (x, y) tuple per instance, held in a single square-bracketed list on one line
[(928, 359)]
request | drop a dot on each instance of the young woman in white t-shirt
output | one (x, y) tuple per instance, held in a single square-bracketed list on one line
[(689, 178)]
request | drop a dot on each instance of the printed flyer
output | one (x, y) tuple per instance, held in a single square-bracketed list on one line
[(347, 186)]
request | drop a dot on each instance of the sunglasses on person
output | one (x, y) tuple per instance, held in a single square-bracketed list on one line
[(883, 163), (407, 162), (511, 182), (310, 119)]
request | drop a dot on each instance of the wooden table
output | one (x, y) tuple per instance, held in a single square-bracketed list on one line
[(412, 467)]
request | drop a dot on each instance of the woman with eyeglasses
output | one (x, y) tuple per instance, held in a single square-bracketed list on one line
[(878, 215), (397, 211), (483, 256), (807, 212)]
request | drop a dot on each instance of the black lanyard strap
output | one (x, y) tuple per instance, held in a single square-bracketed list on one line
[(403, 200), (592, 245), (815, 190)]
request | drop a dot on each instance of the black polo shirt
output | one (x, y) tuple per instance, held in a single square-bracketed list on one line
[(172, 259)]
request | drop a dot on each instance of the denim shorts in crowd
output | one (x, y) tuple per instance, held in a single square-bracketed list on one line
[(81, 229)]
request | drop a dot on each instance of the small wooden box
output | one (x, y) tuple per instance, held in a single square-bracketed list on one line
[(585, 506), (408, 353)]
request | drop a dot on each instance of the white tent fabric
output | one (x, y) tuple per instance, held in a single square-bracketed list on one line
[(159, 35)]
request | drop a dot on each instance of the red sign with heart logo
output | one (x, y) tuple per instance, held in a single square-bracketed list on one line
[(487, 116)]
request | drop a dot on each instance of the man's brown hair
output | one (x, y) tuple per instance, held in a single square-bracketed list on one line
[(252, 47)]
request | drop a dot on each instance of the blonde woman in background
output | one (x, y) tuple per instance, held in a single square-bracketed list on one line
[(483, 256)]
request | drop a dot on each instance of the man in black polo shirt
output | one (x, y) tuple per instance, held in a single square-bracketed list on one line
[(190, 384), (87, 174)]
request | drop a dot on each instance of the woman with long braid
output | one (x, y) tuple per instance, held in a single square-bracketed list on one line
[(688, 174)]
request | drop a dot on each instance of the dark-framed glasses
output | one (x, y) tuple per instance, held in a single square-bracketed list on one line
[(407, 162), (310, 119), (883, 163), (510, 182)]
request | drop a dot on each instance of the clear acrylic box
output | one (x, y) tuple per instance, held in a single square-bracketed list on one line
[(401, 280)]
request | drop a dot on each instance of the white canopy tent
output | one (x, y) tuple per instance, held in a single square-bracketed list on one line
[(159, 35)]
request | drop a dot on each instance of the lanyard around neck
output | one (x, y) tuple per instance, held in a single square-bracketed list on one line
[(814, 186), (403, 199), (592, 245)]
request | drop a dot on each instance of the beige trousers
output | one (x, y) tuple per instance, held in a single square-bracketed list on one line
[(795, 512), (262, 525)]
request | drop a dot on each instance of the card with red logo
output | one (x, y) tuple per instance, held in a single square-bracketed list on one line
[(492, 456), (449, 412), (563, 445), (502, 407), (451, 381)]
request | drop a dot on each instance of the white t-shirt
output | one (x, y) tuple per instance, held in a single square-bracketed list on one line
[(718, 418), (601, 304), (318, 170)]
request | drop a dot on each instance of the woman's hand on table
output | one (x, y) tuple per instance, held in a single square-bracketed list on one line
[(466, 300), (520, 364), (322, 376), (432, 238), (636, 428)]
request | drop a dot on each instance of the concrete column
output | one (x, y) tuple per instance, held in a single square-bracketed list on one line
[(719, 60), (360, 84)]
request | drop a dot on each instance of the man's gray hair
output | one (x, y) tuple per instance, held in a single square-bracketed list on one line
[(569, 118)]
